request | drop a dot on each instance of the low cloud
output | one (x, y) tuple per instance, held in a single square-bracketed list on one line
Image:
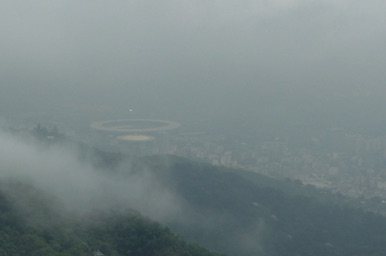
[(53, 177), (78, 186)]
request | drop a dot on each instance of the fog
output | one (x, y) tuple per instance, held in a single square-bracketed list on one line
[(215, 64), (39, 179), (265, 68), (76, 187)]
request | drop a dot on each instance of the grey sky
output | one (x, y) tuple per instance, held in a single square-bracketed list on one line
[(165, 57)]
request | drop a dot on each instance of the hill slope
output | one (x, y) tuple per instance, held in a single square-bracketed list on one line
[(32, 226), (61, 204), (242, 213)]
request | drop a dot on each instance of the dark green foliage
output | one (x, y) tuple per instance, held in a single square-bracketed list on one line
[(113, 235), (133, 235)]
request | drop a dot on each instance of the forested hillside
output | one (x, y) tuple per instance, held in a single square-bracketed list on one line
[(55, 203), (33, 227)]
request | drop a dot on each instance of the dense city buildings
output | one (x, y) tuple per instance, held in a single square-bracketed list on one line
[(348, 163)]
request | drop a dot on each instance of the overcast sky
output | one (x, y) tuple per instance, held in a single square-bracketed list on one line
[(196, 58)]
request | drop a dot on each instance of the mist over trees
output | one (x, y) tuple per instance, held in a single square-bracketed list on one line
[(288, 88), (55, 203)]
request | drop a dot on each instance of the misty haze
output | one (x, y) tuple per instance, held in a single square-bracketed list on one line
[(192, 127)]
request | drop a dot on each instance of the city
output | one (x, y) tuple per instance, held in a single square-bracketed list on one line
[(341, 161)]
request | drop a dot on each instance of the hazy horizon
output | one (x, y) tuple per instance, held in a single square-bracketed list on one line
[(301, 82), (244, 65)]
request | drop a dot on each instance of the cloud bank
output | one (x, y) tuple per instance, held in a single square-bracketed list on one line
[(76, 185)]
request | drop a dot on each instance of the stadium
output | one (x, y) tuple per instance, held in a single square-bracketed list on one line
[(137, 136)]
